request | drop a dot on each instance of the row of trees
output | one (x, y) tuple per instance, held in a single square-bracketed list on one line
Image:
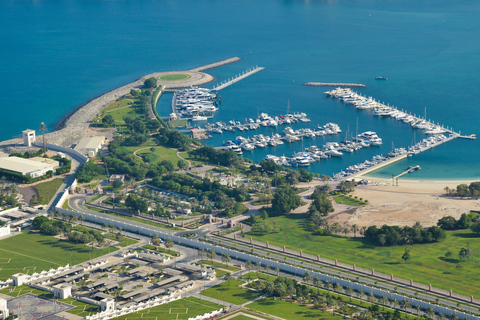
[(464, 190), (395, 235), (466, 221), (88, 171)]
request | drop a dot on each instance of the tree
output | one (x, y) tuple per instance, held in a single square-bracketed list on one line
[(117, 183), (321, 203), (447, 223), (277, 271), (228, 276), (285, 199), (464, 254), (38, 221), (202, 252), (150, 83), (475, 227), (211, 254), (354, 229), (43, 128), (406, 255), (226, 258), (108, 120), (182, 164), (324, 178), (249, 266), (307, 277), (169, 243)]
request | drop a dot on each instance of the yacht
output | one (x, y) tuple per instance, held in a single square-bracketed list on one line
[(199, 118), (334, 153)]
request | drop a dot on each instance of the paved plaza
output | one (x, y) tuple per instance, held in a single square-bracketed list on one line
[(32, 307)]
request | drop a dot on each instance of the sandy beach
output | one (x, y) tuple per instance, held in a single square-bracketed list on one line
[(405, 204)]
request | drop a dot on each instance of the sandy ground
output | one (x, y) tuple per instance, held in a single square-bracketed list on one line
[(405, 204)]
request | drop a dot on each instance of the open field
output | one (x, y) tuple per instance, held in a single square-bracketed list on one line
[(177, 310), (231, 292), (33, 252), (348, 201), (218, 265), (159, 154), (289, 310), (175, 77), (177, 123), (428, 262), (46, 190), (148, 143)]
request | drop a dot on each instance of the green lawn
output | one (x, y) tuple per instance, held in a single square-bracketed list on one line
[(289, 310), (218, 265), (177, 123), (180, 309), (348, 201), (428, 263), (32, 252), (46, 190), (148, 143), (231, 292), (160, 154), (126, 241), (175, 77)]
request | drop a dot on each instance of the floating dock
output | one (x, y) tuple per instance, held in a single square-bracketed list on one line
[(327, 84), (237, 78)]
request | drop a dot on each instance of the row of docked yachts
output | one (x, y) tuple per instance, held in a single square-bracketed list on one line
[(260, 141), (195, 101), (362, 102), (263, 120), (330, 149)]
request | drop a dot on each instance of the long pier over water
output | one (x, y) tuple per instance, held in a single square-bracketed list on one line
[(238, 77)]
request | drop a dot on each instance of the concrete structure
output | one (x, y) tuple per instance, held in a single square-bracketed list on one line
[(26, 167), (4, 231), (3, 309), (18, 279), (90, 146), (107, 304), (199, 134), (52, 162), (114, 177), (28, 137), (62, 291), (231, 223)]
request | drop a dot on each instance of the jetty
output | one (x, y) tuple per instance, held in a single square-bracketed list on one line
[(216, 64), (327, 84), (237, 78)]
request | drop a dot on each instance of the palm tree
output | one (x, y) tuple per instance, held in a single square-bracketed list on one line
[(269, 287), (350, 292), (328, 286), (431, 313), (258, 266), (338, 288), (202, 252), (226, 258), (81, 218), (447, 190), (211, 254), (291, 291), (354, 229), (228, 276), (43, 128), (307, 277), (345, 230), (277, 271), (417, 307), (249, 266)]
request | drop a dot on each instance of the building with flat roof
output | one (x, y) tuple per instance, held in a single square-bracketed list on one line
[(27, 167), (89, 146)]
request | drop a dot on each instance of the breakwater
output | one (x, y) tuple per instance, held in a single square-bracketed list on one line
[(216, 64), (328, 84)]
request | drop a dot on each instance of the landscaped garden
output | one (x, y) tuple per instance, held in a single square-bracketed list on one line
[(430, 263), (349, 201)]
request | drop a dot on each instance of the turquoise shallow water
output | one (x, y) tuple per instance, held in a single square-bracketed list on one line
[(57, 55)]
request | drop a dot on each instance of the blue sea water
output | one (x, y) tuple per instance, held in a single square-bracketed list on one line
[(58, 54)]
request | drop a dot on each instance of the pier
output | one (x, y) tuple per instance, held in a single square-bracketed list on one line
[(327, 84), (216, 64), (237, 78), (376, 167)]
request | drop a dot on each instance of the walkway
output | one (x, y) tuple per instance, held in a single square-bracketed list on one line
[(238, 78)]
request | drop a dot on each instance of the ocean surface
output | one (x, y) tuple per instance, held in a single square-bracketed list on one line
[(57, 55)]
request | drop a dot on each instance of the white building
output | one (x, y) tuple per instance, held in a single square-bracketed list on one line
[(90, 146), (27, 167), (4, 231), (28, 137), (62, 291), (3, 309)]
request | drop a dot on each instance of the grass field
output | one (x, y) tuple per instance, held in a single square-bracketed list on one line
[(148, 143), (231, 292), (160, 154), (218, 265), (177, 310), (428, 262), (289, 310), (177, 123), (348, 201), (33, 252), (175, 77), (46, 190)]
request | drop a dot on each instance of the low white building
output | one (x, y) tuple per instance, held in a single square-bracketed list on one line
[(27, 167), (3, 309), (4, 231), (89, 146), (62, 291)]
